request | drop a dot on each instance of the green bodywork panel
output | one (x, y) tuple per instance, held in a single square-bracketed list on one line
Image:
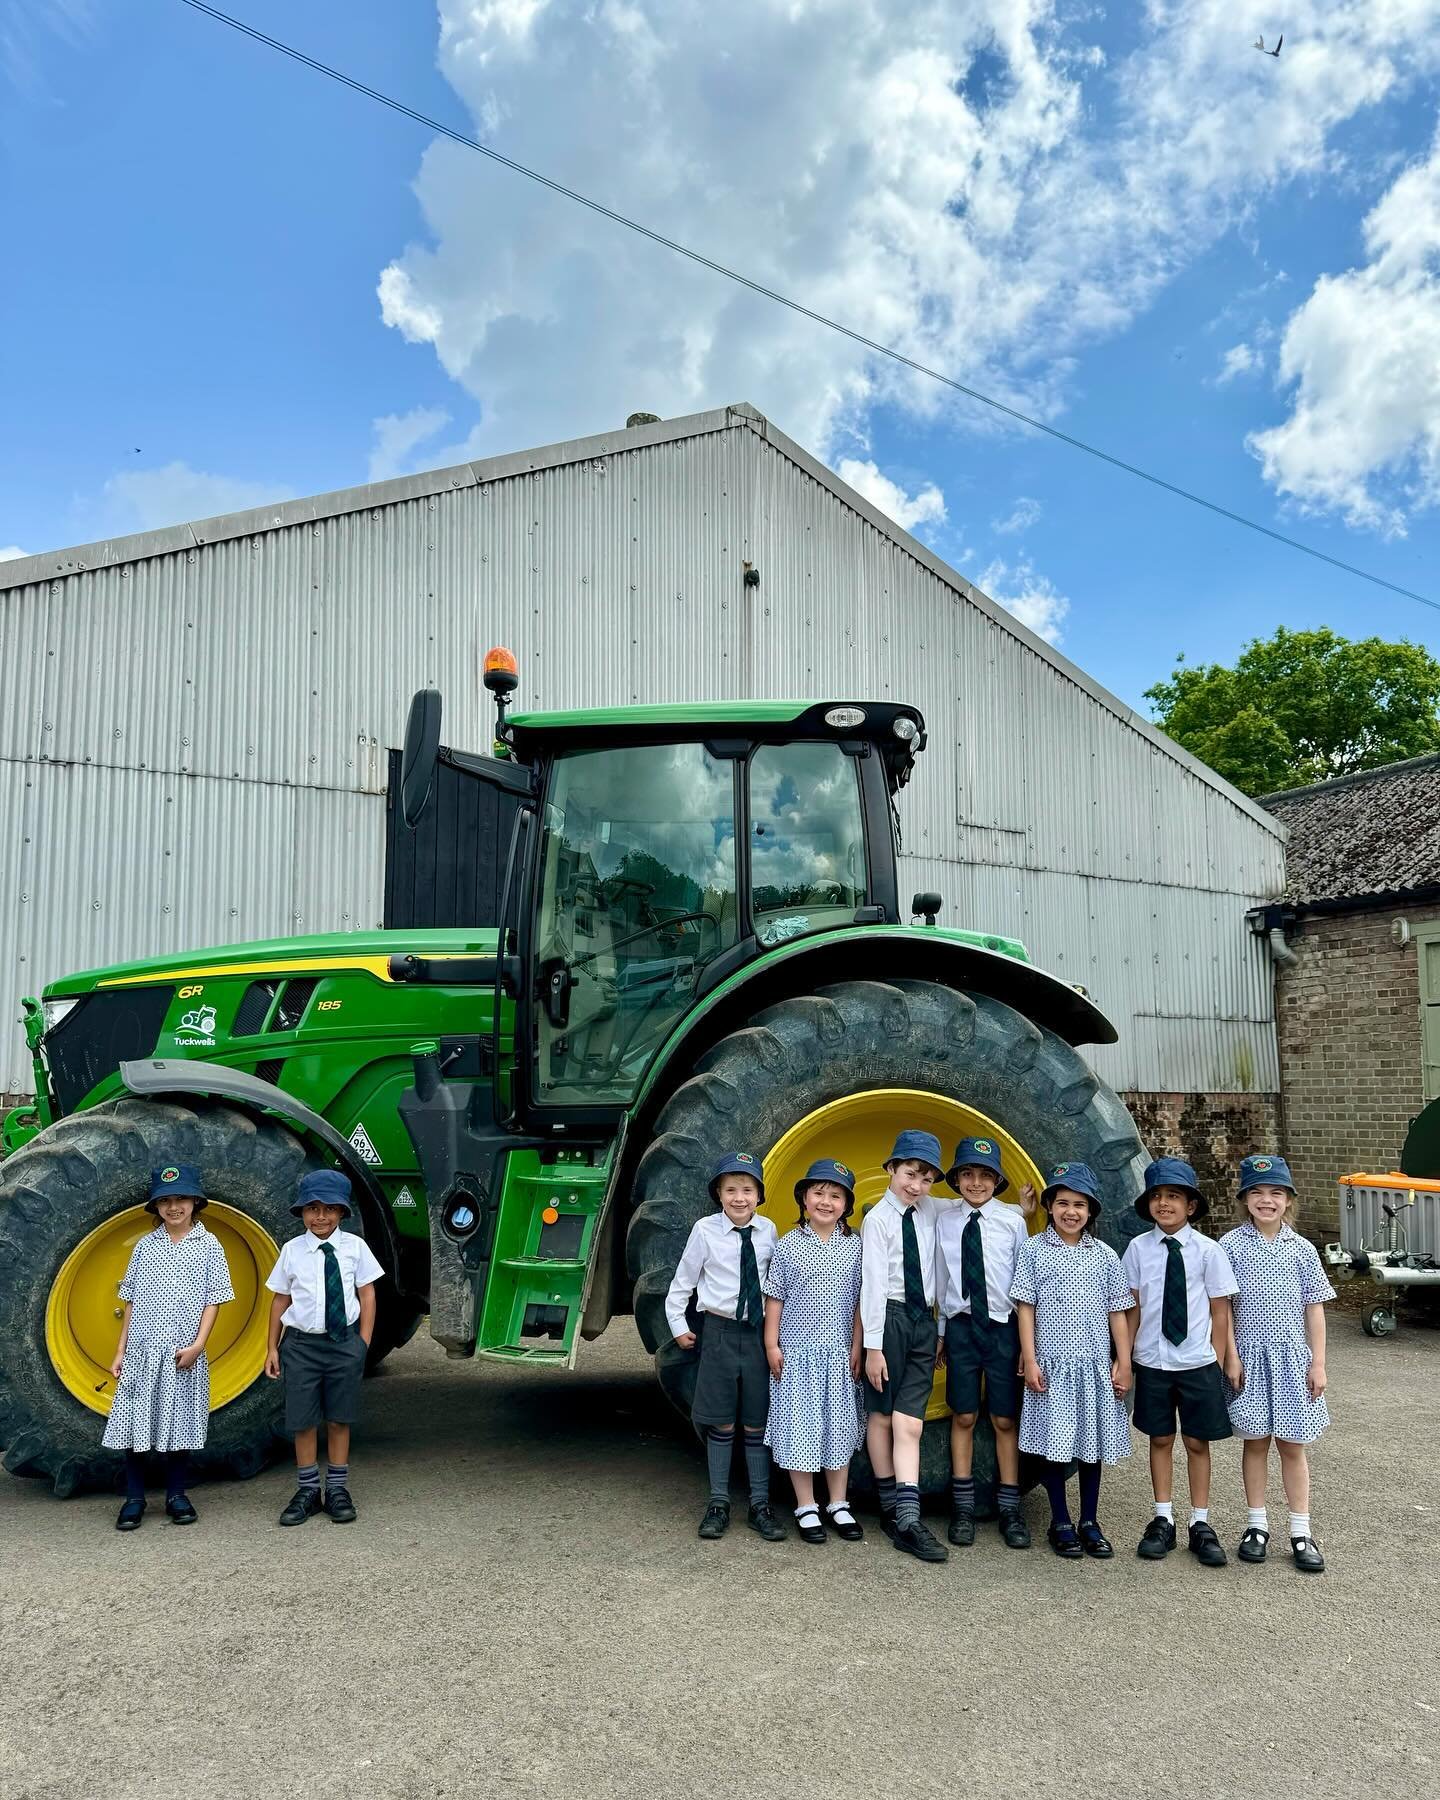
[(600, 719)]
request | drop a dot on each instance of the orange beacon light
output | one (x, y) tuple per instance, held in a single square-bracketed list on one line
[(502, 672)]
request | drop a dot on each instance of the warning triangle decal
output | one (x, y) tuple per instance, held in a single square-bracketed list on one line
[(360, 1141)]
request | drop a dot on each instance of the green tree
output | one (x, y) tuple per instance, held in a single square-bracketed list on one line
[(1303, 706)]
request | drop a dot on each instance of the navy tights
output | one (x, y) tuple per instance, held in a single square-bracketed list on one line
[(1053, 1476), (177, 1473)]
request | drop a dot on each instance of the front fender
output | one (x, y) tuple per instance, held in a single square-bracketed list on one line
[(154, 1076)]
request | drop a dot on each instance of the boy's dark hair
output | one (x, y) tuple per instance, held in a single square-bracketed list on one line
[(844, 1217)]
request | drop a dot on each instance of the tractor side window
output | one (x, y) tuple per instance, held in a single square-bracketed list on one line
[(637, 897), (807, 840)]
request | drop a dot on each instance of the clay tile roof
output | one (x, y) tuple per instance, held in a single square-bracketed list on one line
[(1364, 836)]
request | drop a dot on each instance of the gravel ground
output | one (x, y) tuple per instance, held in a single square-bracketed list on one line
[(523, 1609)]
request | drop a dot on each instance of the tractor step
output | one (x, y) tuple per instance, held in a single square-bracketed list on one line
[(544, 1233)]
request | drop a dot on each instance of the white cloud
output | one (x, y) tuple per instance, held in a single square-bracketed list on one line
[(146, 499), (1032, 598), (11, 552), (1024, 514), (964, 179), (926, 506), (1363, 357), (397, 434), (1239, 359)]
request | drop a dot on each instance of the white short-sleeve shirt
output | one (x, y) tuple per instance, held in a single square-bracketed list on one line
[(709, 1267), (300, 1273), (1003, 1233), (1208, 1276)]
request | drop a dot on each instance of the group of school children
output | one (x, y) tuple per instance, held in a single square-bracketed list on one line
[(824, 1339)]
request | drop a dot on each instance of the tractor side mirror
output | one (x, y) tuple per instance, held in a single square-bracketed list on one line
[(926, 906), (417, 762)]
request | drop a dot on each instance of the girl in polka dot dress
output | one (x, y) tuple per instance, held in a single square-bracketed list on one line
[(812, 1343), (1072, 1298), (1275, 1364)]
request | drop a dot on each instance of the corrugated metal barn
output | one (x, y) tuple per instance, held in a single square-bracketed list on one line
[(194, 723)]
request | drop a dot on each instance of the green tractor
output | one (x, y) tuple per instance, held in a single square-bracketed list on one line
[(698, 942)]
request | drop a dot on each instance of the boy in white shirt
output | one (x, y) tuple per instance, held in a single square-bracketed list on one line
[(324, 1288), (1182, 1283), (897, 1318), (724, 1264)]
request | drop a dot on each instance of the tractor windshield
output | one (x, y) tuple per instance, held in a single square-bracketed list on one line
[(637, 897)]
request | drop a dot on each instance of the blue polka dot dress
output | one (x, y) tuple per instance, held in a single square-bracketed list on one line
[(1074, 1288), (1278, 1278), (815, 1417), (157, 1405)]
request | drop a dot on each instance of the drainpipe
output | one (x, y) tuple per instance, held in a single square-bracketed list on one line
[(1270, 923)]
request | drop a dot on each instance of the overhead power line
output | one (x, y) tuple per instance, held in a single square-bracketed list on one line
[(795, 306)]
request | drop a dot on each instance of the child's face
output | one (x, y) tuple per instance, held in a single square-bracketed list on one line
[(1170, 1207), (824, 1202), (1069, 1212), (975, 1185), (739, 1196), (1267, 1205), (321, 1218), (176, 1211), (912, 1181)]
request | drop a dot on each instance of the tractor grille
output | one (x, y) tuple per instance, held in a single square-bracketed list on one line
[(293, 1002), (254, 1008), (98, 1034)]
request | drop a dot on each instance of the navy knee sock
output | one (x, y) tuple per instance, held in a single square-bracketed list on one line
[(134, 1474), (1053, 1475), (885, 1489), (907, 1504), (719, 1448), (962, 1493), (177, 1472), (1089, 1492), (757, 1467)]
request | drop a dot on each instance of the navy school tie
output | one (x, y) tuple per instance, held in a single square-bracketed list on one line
[(751, 1310), (1174, 1309), (972, 1269), (335, 1326), (910, 1259)]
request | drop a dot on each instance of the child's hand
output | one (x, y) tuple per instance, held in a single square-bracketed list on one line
[(1120, 1378), (877, 1372), (775, 1356), (1028, 1198), (118, 1363), (1234, 1371), (940, 1350), (685, 1339), (1315, 1380), (272, 1364), (855, 1359), (188, 1357), (1034, 1377)]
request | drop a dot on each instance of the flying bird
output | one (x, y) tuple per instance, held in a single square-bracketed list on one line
[(1260, 45)]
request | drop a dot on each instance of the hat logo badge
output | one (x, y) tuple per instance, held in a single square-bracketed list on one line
[(1062, 1169), (743, 1156), (1262, 1162), (840, 1169), (984, 1148), (169, 1174)]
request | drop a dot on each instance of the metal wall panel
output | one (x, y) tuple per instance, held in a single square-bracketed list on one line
[(194, 725)]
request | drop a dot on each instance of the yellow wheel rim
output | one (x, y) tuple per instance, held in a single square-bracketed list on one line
[(82, 1317), (860, 1131)]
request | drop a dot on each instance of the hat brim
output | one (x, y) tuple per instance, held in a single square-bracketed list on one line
[(1000, 1182), (1266, 1181), (298, 1206), (1202, 1205)]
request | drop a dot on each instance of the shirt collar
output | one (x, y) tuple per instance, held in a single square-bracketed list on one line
[(1182, 1236), (896, 1202), (732, 1226), (319, 1243), (977, 1210)]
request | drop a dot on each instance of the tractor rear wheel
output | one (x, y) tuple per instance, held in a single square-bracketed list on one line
[(837, 1073), (71, 1210)]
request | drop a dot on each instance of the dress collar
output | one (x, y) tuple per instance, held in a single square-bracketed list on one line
[(197, 1229), (1285, 1231)]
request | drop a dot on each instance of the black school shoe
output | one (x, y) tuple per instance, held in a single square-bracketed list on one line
[(340, 1506), (179, 1509), (807, 1523), (1013, 1530), (763, 1520), (962, 1526), (1064, 1540), (1094, 1542), (304, 1504), (717, 1519), (1206, 1547), (1158, 1541), (131, 1515), (919, 1541), (887, 1522), (1253, 1545), (1307, 1556), (850, 1529)]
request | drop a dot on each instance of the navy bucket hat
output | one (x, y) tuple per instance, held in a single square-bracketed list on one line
[(328, 1186), (1172, 1171), (176, 1179), (977, 1153), (1265, 1171), (917, 1146), (827, 1169), (737, 1162), (1079, 1178)]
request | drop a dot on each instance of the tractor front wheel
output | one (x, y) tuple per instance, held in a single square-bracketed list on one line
[(838, 1073), (71, 1211)]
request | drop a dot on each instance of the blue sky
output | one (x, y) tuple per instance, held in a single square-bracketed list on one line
[(229, 280)]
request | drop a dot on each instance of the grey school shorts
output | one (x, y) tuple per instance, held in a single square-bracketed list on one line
[(909, 1349), (322, 1378), (733, 1383)]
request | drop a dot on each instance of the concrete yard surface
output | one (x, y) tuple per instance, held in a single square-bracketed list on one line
[(524, 1610)]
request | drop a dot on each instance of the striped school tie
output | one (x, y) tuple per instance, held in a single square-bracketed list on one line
[(915, 1303), (335, 1327), (1174, 1308), (972, 1270), (751, 1310)]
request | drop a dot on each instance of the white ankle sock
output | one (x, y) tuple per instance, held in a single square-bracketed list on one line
[(1299, 1525), (836, 1507), (809, 1507), (1199, 1515), (1257, 1519), (1165, 1509)]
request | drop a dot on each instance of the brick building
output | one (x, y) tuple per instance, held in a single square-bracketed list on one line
[(1356, 940)]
